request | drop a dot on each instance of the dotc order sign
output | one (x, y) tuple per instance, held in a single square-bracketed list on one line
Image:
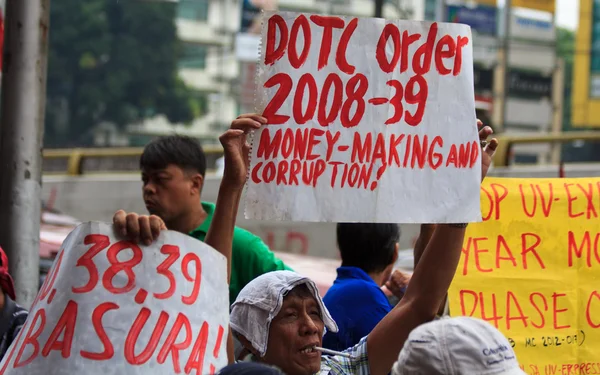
[(368, 120), (110, 307)]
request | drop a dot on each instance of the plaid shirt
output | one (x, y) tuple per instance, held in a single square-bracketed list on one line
[(338, 365)]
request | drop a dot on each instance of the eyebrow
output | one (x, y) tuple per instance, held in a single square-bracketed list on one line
[(156, 172)]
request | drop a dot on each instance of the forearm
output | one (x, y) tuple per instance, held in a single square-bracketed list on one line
[(426, 291), (435, 270), (220, 233), (424, 238), (230, 347)]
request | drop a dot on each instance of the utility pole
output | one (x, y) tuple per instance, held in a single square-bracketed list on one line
[(21, 134), (379, 8), (506, 67), (440, 11)]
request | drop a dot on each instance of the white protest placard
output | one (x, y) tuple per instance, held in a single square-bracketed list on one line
[(111, 307), (369, 120)]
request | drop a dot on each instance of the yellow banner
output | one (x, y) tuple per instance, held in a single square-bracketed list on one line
[(487, 2), (544, 5), (532, 269)]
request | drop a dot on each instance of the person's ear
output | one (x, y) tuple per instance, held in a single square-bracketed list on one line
[(248, 348), (197, 183)]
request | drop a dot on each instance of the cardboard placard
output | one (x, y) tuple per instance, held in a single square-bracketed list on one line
[(368, 120), (109, 306)]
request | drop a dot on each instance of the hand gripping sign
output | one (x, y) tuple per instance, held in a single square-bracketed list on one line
[(368, 120), (110, 307)]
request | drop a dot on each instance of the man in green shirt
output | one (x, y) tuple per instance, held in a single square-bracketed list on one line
[(251, 257), (173, 171)]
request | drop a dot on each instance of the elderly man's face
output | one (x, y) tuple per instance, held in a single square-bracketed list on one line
[(294, 332)]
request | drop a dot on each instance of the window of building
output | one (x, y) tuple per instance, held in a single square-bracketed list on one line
[(525, 159), (196, 10), (193, 56), (430, 10)]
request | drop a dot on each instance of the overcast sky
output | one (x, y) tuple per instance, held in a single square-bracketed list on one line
[(567, 13)]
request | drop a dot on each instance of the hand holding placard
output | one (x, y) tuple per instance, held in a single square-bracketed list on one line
[(108, 306)]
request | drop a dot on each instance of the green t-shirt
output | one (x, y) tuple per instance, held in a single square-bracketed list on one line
[(250, 256)]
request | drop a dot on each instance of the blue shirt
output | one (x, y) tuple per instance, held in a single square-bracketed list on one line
[(357, 304)]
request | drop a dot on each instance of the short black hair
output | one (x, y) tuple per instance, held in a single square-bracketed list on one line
[(368, 246), (182, 151)]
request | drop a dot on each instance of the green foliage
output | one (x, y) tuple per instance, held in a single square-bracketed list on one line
[(112, 61), (565, 49)]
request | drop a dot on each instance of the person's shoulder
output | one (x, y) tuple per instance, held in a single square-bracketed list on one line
[(356, 287), (18, 320), (244, 239), (354, 361), (352, 290), (247, 244), (241, 234), (20, 313)]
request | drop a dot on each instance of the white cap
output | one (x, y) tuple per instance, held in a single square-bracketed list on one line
[(260, 301), (457, 346)]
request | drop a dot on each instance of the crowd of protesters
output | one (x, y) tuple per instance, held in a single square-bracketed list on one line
[(373, 320)]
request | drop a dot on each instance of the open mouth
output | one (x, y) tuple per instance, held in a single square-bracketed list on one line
[(309, 349)]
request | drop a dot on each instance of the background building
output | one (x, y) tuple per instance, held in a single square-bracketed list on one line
[(219, 50), (219, 41)]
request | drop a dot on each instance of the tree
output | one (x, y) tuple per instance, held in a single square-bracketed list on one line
[(112, 61), (565, 49)]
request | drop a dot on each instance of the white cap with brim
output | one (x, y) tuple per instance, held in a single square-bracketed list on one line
[(457, 346), (260, 301)]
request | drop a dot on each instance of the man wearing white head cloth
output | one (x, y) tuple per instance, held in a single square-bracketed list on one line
[(280, 318)]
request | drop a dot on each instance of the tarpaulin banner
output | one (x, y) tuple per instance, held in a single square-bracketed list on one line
[(532, 269)]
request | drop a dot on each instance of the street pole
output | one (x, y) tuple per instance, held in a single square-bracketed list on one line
[(506, 52), (379, 8), (21, 134), (440, 11)]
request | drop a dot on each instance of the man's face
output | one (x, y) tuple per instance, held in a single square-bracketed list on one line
[(170, 192), (294, 332)]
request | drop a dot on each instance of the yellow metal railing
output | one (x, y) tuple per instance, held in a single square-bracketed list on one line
[(78, 161), (502, 156)]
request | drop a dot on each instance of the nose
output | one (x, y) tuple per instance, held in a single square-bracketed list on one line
[(148, 188), (308, 326)]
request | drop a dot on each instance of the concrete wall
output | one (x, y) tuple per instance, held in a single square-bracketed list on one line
[(99, 197)]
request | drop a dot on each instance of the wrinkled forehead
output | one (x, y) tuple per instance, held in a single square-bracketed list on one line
[(299, 294)]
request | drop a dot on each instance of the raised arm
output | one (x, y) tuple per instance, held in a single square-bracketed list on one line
[(235, 148), (220, 233), (427, 288), (422, 242)]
